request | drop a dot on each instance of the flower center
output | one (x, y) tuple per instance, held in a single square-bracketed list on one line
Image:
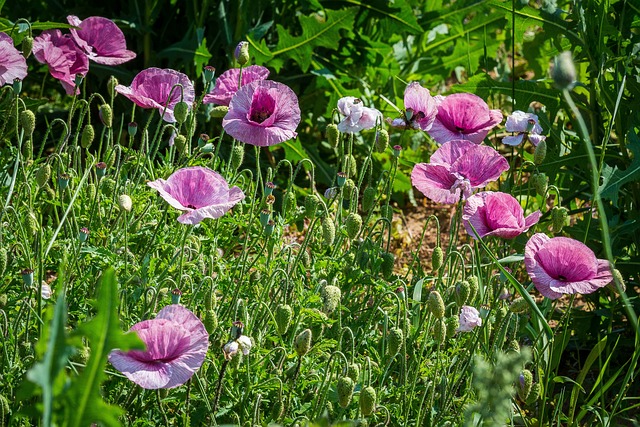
[(562, 278), (263, 105), (191, 206)]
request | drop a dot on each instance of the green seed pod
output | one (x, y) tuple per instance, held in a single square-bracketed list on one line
[(311, 203), (31, 224), (211, 321), (519, 306), (436, 304), (180, 142), (27, 47), (27, 149), (283, 316), (558, 218), (305, 258), (367, 401), (49, 193), (106, 115), (349, 189), (382, 141), (333, 135), (28, 122), (345, 389), (524, 384), (350, 165), (540, 152), (462, 292), (452, 324), (436, 258), (302, 343), (540, 183), (331, 296), (4, 260), (440, 331), (219, 111), (43, 174), (353, 372), (181, 111), (395, 339), (534, 394), (386, 267), (88, 134), (368, 198), (386, 211), (474, 287), (328, 231), (353, 224)]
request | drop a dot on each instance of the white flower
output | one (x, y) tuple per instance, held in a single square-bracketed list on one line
[(469, 319), (230, 349), (358, 117), (524, 124), (45, 291), (245, 344)]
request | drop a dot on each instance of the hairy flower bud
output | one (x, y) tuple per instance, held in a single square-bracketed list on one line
[(436, 304), (181, 111), (386, 267), (540, 183), (88, 133), (345, 389), (43, 174), (290, 202), (180, 142), (524, 384), (462, 292), (353, 371), (440, 331), (4, 260), (210, 320), (219, 111), (349, 189), (27, 47), (350, 165), (283, 316), (436, 258), (237, 156), (328, 231), (519, 306), (125, 203), (368, 198), (395, 339), (242, 53), (367, 401), (302, 343), (558, 218), (564, 72), (311, 203), (540, 152), (333, 135), (452, 324), (106, 115), (386, 211), (27, 121), (331, 296), (353, 224), (382, 141), (111, 85)]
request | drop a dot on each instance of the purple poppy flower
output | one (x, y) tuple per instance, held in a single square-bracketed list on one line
[(101, 40), (12, 63), (358, 117), (199, 191), (227, 83), (524, 124), (469, 319), (263, 113), (455, 169), (463, 116), (421, 109), (496, 214), (562, 265), (177, 344), (63, 57), (151, 89)]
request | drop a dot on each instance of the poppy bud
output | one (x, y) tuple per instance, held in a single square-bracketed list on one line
[(462, 292), (452, 324), (353, 371), (180, 142), (27, 149), (436, 258), (311, 203), (43, 174), (540, 183), (514, 346), (4, 260), (350, 165), (219, 111), (558, 218), (436, 304), (181, 111), (440, 331), (31, 224), (368, 198), (237, 156), (349, 189), (333, 134), (564, 72), (5, 411), (302, 343), (88, 133), (27, 46), (210, 321), (386, 211), (345, 389), (242, 53), (525, 382), (474, 287), (283, 316), (616, 275), (540, 152), (519, 306), (353, 225), (328, 231), (106, 115), (331, 296), (386, 267), (382, 141), (367, 401), (395, 339), (533, 394), (111, 85), (290, 202), (125, 203), (27, 121)]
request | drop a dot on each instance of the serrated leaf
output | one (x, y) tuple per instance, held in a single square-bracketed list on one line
[(83, 398), (614, 178), (398, 14)]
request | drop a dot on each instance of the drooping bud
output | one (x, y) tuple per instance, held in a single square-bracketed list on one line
[(395, 339), (43, 174), (106, 115), (367, 401), (237, 156), (524, 384), (181, 111), (219, 111), (27, 149), (353, 371), (462, 292), (211, 321), (125, 203), (290, 202), (4, 260), (436, 304), (345, 389), (311, 203), (31, 224), (302, 343), (353, 224), (514, 346), (27, 46), (88, 133), (474, 287), (534, 394), (368, 198), (519, 306), (540, 183), (558, 218), (333, 134), (27, 121), (283, 316), (564, 72), (350, 165), (382, 141), (242, 53), (180, 142), (386, 267), (440, 331), (436, 258), (331, 296), (540, 152), (349, 189), (452, 324), (617, 277), (328, 231), (111, 85)]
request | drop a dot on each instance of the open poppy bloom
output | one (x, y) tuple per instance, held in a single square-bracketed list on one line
[(199, 191), (469, 319), (562, 265), (263, 113), (420, 108), (155, 88), (63, 57), (463, 116), (101, 40), (176, 345), (455, 169), (358, 117), (227, 83), (496, 214), (524, 124), (12, 63)]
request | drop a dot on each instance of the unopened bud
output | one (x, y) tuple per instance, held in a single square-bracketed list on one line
[(302, 343), (27, 46), (125, 203), (617, 276), (519, 306), (242, 53), (111, 85), (106, 115), (558, 218), (436, 258), (43, 174), (540, 152), (462, 291), (210, 320), (353, 371), (331, 296), (219, 111), (452, 324), (440, 331), (353, 224), (386, 267), (88, 133), (436, 304), (27, 121), (283, 316), (540, 183), (345, 389), (237, 156), (395, 339), (181, 111), (367, 401), (333, 134), (525, 382), (180, 142), (328, 231), (350, 189), (564, 72), (382, 141), (311, 203), (368, 198)]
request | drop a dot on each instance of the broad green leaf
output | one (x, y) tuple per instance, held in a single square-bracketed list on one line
[(398, 16), (614, 178), (6, 25)]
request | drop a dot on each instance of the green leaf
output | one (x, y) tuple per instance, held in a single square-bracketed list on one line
[(6, 25), (84, 403), (614, 179), (399, 14)]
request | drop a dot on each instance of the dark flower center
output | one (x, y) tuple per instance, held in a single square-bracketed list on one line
[(260, 116), (562, 278), (191, 207)]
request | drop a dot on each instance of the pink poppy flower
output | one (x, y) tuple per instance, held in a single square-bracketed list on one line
[(151, 88), (63, 57), (469, 319), (177, 344), (562, 265), (199, 191), (421, 109), (227, 83), (263, 113), (12, 63), (101, 40), (455, 169), (524, 124), (358, 117), (496, 214), (463, 116)]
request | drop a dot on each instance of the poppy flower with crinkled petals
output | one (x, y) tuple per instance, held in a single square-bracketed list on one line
[(12, 64), (263, 113), (524, 124), (357, 116), (176, 345), (560, 265), (63, 57), (463, 116), (469, 319), (227, 84), (420, 108), (496, 214), (156, 88), (199, 191), (101, 40)]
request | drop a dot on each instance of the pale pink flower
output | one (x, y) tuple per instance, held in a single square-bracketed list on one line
[(101, 40), (227, 83), (420, 108), (263, 113), (561, 265), (199, 191), (45, 291), (63, 57), (12, 64), (469, 319), (496, 214), (357, 116), (455, 169), (524, 124), (463, 116), (157, 88), (176, 345)]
